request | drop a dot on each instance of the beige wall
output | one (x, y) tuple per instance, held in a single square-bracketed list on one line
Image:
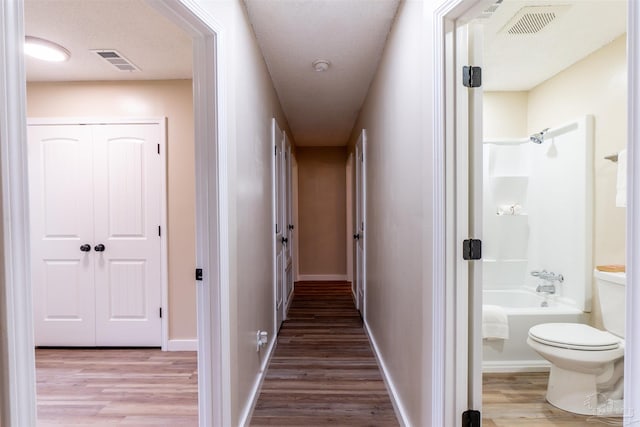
[(251, 102), (504, 114), (597, 86), (398, 240), (322, 210), (172, 99)]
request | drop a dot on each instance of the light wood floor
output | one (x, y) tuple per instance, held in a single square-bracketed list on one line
[(323, 371), (101, 387), (518, 400)]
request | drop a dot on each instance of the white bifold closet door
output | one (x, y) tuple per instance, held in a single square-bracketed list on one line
[(95, 206)]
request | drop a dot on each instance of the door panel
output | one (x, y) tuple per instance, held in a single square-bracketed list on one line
[(61, 183), (279, 223), (93, 185), (360, 236), (288, 226), (127, 216)]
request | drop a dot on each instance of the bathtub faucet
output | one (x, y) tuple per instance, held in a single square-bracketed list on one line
[(548, 289), (548, 276)]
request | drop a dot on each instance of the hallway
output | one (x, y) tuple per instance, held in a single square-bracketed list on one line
[(323, 371)]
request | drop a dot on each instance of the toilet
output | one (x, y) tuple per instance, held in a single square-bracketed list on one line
[(586, 374)]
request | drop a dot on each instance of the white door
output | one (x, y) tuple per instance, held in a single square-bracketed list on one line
[(127, 207), (469, 216), (62, 239), (278, 201), (360, 235), (288, 226), (95, 199)]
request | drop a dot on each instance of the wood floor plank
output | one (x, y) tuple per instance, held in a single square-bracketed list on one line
[(518, 400), (93, 387), (323, 371)]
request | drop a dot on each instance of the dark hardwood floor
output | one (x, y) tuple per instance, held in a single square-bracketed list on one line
[(323, 371), (106, 387)]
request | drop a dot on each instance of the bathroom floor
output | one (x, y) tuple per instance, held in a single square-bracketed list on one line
[(517, 400)]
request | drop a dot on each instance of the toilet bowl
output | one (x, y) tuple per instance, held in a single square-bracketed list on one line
[(586, 365), (586, 374)]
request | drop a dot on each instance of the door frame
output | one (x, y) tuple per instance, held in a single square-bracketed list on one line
[(448, 393), (360, 211), (164, 261), (17, 358)]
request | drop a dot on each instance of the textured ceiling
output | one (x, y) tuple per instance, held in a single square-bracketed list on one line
[(134, 29), (321, 106), (521, 62)]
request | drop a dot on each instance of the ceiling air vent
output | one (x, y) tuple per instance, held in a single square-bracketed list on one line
[(114, 58), (532, 19)]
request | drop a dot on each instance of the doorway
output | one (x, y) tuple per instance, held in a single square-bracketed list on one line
[(469, 273), (17, 356)]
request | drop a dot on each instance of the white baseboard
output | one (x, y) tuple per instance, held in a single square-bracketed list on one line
[(245, 419), (322, 277), (516, 366), (182, 345), (398, 407)]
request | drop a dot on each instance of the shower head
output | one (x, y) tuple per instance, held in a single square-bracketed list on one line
[(538, 138)]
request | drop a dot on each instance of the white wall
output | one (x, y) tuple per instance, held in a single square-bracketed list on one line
[(397, 116), (251, 104)]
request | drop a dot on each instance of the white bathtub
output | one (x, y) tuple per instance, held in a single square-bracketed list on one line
[(524, 310)]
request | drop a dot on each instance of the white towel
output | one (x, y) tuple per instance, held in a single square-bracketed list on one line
[(621, 187), (495, 324)]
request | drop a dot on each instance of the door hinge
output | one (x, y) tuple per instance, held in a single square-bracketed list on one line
[(472, 249), (471, 418), (159, 231), (471, 76), (158, 148), (199, 274), (275, 150), (161, 312)]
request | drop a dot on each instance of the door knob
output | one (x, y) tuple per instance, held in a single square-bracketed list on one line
[(356, 236), (99, 248), (85, 248)]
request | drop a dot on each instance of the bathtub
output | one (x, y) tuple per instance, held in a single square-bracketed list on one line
[(524, 309)]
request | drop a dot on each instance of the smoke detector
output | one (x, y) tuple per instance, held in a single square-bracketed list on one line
[(116, 59), (532, 19), (321, 65)]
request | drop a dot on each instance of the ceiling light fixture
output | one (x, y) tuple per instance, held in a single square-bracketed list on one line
[(45, 50), (321, 65)]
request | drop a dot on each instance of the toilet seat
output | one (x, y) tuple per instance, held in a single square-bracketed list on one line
[(574, 336)]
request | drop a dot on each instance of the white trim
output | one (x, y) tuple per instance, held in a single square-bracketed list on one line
[(164, 261), (322, 277), (17, 360), (212, 240), (632, 346), (183, 345), (247, 413), (506, 366), (398, 407)]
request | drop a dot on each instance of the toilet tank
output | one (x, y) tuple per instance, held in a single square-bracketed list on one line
[(611, 293)]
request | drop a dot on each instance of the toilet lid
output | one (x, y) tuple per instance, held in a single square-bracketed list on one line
[(574, 336)]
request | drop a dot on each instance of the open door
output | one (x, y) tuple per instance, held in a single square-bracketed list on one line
[(359, 226), (468, 234)]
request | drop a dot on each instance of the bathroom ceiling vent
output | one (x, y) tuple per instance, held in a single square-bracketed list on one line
[(114, 58), (532, 19)]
